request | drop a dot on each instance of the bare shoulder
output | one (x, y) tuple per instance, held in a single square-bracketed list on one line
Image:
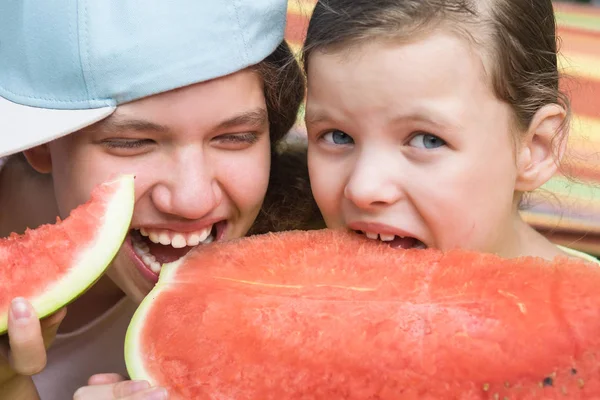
[(577, 255)]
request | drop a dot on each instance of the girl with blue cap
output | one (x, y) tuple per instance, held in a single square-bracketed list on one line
[(190, 96)]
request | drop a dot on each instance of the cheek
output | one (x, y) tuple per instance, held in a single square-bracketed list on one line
[(327, 182), (76, 170), (244, 176), (468, 200)]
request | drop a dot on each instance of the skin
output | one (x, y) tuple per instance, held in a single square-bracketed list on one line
[(199, 153), (421, 148), (188, 169)]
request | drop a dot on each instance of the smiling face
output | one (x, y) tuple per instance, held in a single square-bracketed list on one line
[(408, 143), (201, 157)]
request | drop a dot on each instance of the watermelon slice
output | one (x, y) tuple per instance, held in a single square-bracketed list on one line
[(333, 315), (53, 264)]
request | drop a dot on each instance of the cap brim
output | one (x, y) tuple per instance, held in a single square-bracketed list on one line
[(23, 127)]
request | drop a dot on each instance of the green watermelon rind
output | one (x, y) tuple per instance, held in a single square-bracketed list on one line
[(134, 360), (94, 260)]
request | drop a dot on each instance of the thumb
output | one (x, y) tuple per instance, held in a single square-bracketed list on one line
[(27, 352)]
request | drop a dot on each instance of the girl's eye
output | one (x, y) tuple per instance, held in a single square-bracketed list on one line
[(126, 143), (338, 138), (426, 141)]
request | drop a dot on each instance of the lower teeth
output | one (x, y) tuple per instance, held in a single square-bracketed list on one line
[(143, 251)]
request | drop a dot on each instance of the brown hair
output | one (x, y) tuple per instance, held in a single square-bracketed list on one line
[(517, 36), (284, 88), (289, 203)]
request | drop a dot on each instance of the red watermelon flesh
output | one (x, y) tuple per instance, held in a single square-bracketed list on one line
[(53, 264), (332, 315)]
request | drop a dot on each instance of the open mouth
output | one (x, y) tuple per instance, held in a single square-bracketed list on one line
[(151, 248), (395, 241)]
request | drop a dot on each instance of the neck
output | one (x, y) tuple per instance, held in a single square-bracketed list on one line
[(526, 241)]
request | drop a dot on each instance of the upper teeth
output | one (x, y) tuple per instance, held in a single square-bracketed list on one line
[(381, 236), (178, 239), (389, 237)]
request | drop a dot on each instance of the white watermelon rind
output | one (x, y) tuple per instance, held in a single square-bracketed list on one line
[(94, 260), (134, 351)]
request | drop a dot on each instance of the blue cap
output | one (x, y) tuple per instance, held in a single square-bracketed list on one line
[(65, 64)]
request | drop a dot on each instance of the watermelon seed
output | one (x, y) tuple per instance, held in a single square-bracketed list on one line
[(573, 371), (486, 387), (548, 381), (580, 383)]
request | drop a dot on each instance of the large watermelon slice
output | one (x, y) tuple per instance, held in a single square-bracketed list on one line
[(333, 315), (53, 264)]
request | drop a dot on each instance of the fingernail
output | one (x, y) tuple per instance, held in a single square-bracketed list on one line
[(157, 394), (20, 309)]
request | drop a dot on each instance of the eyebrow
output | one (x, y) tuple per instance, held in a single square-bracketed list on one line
[(319, 116), (119, 124), (316, 117), (439, 120), (255, 118)]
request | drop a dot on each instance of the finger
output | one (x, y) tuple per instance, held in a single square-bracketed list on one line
[(51, 324), (155, 393), (55, 318), (111, 391), (105, 379), (27, 351)]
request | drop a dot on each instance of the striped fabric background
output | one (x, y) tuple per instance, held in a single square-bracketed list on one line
[(567, 208)]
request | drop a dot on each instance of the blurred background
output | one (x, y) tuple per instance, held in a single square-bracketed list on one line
[(567, 208), (592, 2)]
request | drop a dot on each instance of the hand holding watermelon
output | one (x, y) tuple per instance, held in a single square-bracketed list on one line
[(82, 247), (116, 387), (24, 354)]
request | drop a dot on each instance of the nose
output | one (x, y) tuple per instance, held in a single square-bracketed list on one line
[(189, 188), (374, 181)]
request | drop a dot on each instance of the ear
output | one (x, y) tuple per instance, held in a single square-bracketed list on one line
[(39, 158), (542, 148)]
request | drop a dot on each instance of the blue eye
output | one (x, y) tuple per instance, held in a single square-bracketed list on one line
[(338, 137), (426, 141)]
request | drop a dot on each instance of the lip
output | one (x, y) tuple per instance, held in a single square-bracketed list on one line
[(183, 227), (376, 227), (139, 264)]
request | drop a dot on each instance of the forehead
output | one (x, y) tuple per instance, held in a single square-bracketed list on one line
[(234, 99), (384, 73)]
